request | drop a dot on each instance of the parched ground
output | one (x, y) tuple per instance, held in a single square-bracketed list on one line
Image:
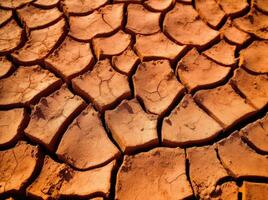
[(134, 99)]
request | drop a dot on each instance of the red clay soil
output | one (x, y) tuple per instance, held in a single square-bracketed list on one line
[(188, 124), (125, 62), (11, 132), (156, 85), (26, 85), (87, 132), (157, 46), (254, 191), (203, 160), (70, 53), (5, 15), (107, 85), (221, 102), (46, 3), (196, 71), (184, 25), (102, 21), (50, 116), (10, 36), (157, 174), (222, 53), (210, 11), (255, 23), (17, 166), (249, 60), (142, 21), (6, 66), (34, 17), (256, 134), (234, 35), (136, 130), (133, 99), (159, 5)]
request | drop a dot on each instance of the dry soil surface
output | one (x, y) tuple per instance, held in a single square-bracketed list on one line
[(134, 99)]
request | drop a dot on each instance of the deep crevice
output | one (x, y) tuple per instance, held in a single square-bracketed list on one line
[(115, 171), (187, 169), (108, 132)]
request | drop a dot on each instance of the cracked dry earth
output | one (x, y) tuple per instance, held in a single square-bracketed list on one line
[(134, 99)]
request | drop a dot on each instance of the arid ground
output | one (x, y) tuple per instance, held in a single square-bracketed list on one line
[(134, 99)]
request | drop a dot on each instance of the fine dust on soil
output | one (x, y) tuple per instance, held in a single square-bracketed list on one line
[(134, 99)]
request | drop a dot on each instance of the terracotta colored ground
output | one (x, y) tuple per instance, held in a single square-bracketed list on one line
[(134, 99)]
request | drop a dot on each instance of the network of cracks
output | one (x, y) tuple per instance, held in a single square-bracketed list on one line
[(134, 99)]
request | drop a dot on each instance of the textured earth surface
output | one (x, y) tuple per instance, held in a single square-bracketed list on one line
[(134, 99)]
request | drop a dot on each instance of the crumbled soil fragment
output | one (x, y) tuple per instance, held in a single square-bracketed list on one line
[(205, 170), (101, 22), (126, 61), (142, 21), (51, 115), (241, 160), (255, 23), (224, 105), (233, 8), (10, 37), (226, 191), (10, 132), (131, 127), (222, 53), (5, 15), (256, 134), (75, 7), (70, 59), (253, 87), (157, 46), (46, 3), (157, 174), (85, 144), (13, 4), (59, 180), (183, 24), (17, 165), (254, 191), (255, 57), (210, 11), (5, 66), (106, 85), (110, 46), (157, 86), (159, 5), (26, 85), (188, 124), (197, 71), (34, 17), (40, 43), (233, 35), (262, 5)]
